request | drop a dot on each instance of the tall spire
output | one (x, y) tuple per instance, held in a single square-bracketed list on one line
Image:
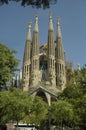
[(26, 59), (51, 45), (36, 23), (35, 54), (35, 39), (29, 31), (27, 44), (60, 50), (50, 21), (58, 28), (51, 53), (60, 60)]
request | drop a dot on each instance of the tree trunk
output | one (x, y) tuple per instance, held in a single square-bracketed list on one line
[(17, 125)]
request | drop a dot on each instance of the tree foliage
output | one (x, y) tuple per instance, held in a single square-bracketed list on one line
[(37, 113), (17, 106), (75, 94), (62, 112), (34, 3), (13, 105), (8, 64), (40, 109)]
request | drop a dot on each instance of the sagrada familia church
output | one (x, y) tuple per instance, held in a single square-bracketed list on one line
[(44, 66)]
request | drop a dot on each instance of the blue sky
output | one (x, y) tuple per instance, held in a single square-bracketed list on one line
[(14, 25)]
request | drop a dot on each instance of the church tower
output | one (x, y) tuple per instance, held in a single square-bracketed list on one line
[(43, 72), (51, 54), (34, 79), (26, 60), (60, 59)]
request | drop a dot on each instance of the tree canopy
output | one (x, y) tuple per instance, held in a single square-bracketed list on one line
[(8, 64), (75, 94), (33, 3), (13, 105), (62, 113), (16, 106)]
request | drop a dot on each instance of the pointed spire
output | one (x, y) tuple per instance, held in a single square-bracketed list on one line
[(26, 59), (36, 23), (35, 38), (29, 31), (35, 55), (27, 44), (58, 28), (60, 60), (50, 21), (51, 53), (51, 46)]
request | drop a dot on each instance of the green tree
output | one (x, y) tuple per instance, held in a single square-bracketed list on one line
[(13, 105), (38, 113), (16, 105), (62, 113), (40, 109), (4, 103), (80, 112), (75, 93), (8, 64), (34, 3), (20, 102)]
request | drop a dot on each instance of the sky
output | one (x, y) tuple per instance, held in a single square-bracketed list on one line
[(14, 26)]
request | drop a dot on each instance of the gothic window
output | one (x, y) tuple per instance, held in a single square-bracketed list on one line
[(33, 63), (51, 62), (25, 68), (44, 76), (43, 65), (60, 67)]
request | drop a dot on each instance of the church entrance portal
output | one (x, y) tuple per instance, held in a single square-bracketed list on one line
[(42, 95)]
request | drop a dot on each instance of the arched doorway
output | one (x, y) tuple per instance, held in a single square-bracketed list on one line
[(42, 95)]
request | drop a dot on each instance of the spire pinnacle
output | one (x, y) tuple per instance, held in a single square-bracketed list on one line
[(58, 27), (29, 25), (58, 20), (29, 31), (50, 21), (50, 14), (36, 15), (36, 23)]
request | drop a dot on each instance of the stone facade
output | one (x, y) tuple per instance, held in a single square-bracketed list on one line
[(43, 71)]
